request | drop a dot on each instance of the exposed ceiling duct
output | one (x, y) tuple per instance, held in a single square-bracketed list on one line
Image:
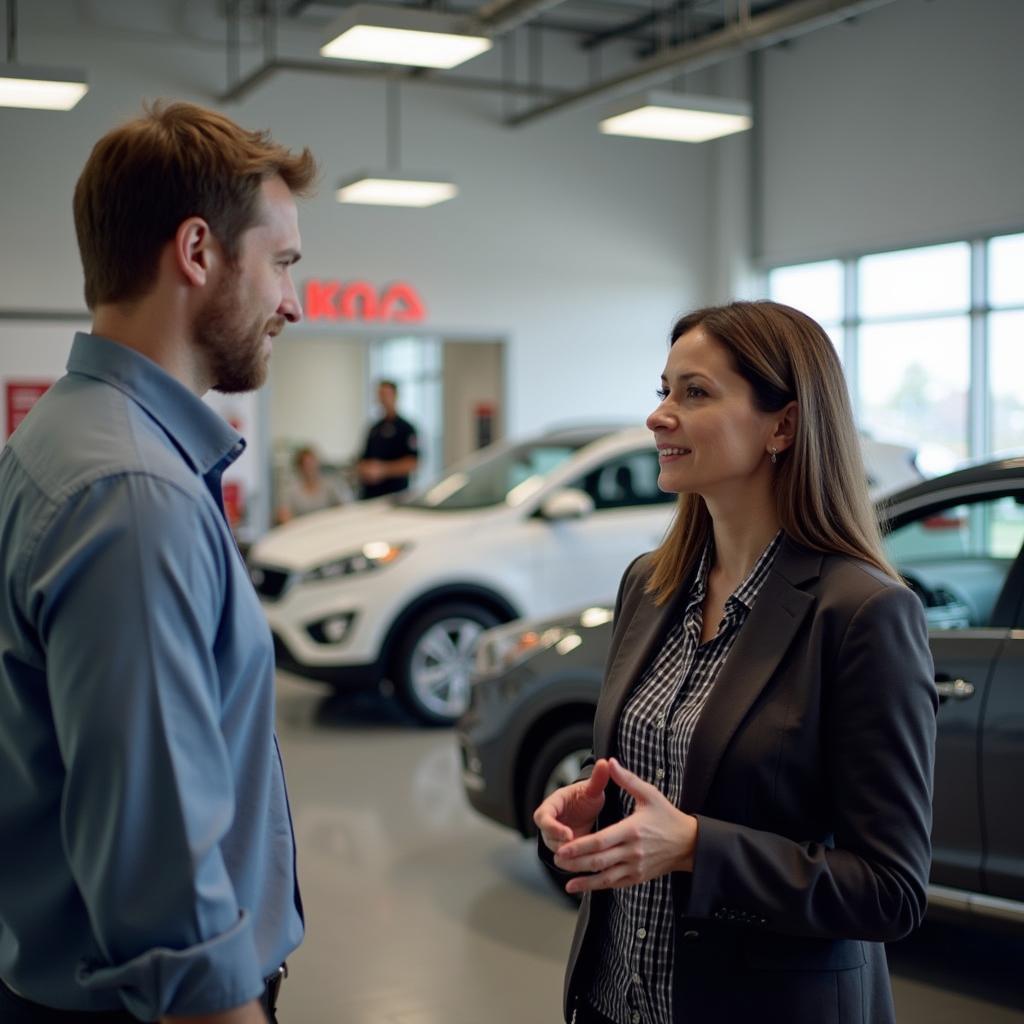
[(499, 16), (753, 33), (729, 28)]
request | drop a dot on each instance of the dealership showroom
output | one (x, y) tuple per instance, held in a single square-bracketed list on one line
[(505, 234)]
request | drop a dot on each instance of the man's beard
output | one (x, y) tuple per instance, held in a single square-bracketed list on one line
[(233, 343)]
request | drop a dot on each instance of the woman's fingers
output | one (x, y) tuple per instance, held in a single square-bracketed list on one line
[(574, 854), (553, 832), (598, 781), (616, 877), (632, 784)]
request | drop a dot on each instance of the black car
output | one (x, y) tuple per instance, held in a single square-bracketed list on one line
[(958, 540)]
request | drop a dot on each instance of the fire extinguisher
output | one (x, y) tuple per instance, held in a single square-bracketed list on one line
[(483, 419)]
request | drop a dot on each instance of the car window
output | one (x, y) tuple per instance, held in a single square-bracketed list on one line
[(626, 481), (957, 558), (507, 477)]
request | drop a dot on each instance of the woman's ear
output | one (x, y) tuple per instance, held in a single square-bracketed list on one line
[(785, 427)]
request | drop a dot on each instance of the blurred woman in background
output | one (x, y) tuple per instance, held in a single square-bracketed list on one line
[(309, 490)]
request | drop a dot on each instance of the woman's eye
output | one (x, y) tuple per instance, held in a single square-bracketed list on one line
[(695, 392), (662, 393)]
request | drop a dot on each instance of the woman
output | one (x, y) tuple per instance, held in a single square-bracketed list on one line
[(755, 821), (309, 491)]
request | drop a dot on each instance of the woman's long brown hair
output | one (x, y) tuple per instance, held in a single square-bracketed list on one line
[(820, 484)]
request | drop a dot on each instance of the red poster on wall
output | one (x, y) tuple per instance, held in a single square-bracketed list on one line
[(21, 395)]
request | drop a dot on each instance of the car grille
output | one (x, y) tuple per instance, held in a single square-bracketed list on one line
[(269, 583)]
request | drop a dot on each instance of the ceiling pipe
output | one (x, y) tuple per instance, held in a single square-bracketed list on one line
[(500, 16), (254, 79), (756, 32)]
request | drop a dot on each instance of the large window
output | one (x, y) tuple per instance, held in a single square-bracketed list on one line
[(817, 290), (932, 340)]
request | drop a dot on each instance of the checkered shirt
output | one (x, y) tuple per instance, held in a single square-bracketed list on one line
[(633, 982)]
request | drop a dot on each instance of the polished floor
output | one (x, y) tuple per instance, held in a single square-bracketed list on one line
[(421, 912)]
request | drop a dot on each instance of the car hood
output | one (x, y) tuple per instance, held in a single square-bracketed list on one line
[(319, 538)]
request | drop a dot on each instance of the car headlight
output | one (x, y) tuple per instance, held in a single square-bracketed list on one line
[(501, 649), (374, 555)]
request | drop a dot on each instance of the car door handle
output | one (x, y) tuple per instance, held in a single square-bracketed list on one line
[(954, 689)]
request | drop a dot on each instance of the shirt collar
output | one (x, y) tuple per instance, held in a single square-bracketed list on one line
[(747, 591), (199, 432)]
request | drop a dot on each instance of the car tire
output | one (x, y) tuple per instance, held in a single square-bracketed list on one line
[(556, 764), (432, 665)]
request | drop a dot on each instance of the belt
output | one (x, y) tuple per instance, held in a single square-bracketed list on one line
[(272, 989)]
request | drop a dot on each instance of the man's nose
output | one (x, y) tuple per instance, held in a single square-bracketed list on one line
[(290, 307)]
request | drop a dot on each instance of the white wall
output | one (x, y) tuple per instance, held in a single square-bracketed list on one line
[(317, 395), (901, 128), (473, 374), (32, 352), (576, 248)]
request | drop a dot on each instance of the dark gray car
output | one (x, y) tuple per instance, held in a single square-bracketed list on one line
[(959, 542)]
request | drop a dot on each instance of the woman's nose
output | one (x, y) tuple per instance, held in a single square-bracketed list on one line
[(660, 417)]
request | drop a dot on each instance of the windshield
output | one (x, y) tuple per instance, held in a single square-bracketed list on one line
[(509, 477)]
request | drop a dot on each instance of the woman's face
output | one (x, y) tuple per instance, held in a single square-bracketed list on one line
[(711, 437)]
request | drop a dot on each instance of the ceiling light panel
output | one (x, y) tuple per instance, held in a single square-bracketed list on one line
[(413, 38), (39, 88), (380, 190), (678, 118)]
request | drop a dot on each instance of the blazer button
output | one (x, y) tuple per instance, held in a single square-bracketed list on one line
[(691, 936)]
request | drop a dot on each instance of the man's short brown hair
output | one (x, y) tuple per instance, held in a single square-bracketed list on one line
[(147, 176)]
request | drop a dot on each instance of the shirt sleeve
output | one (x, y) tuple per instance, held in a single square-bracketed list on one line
[(878, 735), (412, 442), (127, 589)]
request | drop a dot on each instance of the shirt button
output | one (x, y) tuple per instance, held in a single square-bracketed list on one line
[(636, 978), (641, 933), (691, 936), (635, 1018), (660, 773)]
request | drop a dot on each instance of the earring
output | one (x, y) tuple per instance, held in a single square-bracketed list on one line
[(774, 452)]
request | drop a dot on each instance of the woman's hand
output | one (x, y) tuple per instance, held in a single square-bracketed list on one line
[(570, 812), (655, 839)]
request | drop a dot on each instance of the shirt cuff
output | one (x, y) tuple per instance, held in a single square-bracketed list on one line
[(209, 977)]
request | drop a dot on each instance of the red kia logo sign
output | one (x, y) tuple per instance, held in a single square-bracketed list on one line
[(359, 300)]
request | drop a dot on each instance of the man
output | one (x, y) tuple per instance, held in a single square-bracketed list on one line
[(147, 869), (391, 450)]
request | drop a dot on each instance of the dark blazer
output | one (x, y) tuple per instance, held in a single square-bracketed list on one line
[(810, 773)]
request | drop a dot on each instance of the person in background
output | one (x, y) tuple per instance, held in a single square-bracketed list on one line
[(391, 452), (755, 820), (147, 868), (309, 491)]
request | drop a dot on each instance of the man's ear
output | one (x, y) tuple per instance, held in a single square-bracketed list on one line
[(785, 427), (196, 251)]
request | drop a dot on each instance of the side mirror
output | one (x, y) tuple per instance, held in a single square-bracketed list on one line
[(567, 504)]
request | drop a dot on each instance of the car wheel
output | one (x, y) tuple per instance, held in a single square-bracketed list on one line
[(435, 659), (556, 764)]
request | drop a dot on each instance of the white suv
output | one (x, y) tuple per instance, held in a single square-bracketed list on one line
[(401, 591), (381, 591)]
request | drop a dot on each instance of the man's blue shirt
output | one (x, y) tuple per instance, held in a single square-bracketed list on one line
[(146, 849)]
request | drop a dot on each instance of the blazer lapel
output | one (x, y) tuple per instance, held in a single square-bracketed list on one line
[(648, 626), (773, 622)]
